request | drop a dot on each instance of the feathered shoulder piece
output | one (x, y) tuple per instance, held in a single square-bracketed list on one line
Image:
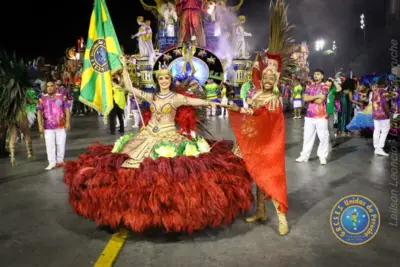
[(190, 118)]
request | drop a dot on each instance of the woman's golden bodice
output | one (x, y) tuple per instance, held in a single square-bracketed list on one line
[(161, 128), (163, 111)]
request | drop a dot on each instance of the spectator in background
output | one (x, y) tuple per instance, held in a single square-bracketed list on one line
[(346, 106), (78, 108), (380, 114), (396, 100), (60, 88), (230, 91), (53, 121), (334, 88), (316, 121), (297, 99), (119, 106), (224, 100)]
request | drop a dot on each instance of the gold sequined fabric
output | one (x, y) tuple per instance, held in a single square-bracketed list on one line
[(236, 151), (272, 101), (161, 128), (141, 146)]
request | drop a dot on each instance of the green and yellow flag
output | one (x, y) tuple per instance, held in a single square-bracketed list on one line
[(100, 61)]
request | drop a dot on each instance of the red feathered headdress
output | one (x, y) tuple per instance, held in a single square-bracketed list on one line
[(276, 57), (258, 67), (261, 65)]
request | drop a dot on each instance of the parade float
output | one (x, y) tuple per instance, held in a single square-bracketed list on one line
[(300, 57), (196, 38), (71, 69)]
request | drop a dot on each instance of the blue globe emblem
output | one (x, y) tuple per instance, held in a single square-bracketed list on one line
[(58, 102), (202, 71), (98, 56), (101, 55), (355, 220)]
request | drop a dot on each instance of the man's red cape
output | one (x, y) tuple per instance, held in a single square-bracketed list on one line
[(261, 140)]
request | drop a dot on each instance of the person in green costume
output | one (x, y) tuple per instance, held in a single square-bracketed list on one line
[(346, 100), (276, 91), (335, 88), (297, 99), (211, 94), (244, 90), (22, 124), (14, 83), (25, 120), (31, 106)]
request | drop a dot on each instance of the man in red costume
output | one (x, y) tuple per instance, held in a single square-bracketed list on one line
[(260, 136), (260, 130), (190, 14)]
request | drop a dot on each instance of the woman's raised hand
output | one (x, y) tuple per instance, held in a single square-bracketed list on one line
[(122, 58)]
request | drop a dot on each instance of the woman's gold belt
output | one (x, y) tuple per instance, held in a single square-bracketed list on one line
[(157, 129)]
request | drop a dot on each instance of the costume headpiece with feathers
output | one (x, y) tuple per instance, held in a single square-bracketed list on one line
[(14, 84), (280, 45)]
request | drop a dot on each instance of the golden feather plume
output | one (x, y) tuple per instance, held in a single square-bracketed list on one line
[(280, 41)]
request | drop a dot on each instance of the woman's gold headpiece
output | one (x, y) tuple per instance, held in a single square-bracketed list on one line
[(162, 70)]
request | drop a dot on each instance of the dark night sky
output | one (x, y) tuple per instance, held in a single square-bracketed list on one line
[(44, 30)]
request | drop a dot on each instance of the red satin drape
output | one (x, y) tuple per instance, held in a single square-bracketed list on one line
[(261, 140)]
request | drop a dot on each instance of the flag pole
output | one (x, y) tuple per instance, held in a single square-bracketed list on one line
[(136, 101)]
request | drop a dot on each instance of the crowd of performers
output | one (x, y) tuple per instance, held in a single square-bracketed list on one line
[(350, 106), (181, 179), (173, 179)]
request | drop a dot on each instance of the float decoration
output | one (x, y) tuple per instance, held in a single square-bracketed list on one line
[(194, 61), (240, 49), (193, 37), (189, 18), (300, 57), (145, 40)]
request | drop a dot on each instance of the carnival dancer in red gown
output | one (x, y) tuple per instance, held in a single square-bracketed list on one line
[(260, 130), (159, 177), (190, 19)]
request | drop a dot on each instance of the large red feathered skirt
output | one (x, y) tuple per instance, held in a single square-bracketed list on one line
[(181, 194)]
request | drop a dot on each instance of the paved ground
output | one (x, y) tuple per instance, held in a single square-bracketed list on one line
[(38, 228)]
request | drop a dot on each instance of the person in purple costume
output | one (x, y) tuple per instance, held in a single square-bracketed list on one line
[(54, 120)]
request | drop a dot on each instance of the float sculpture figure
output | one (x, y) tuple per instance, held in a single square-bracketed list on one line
[(169, 16), (241, 52), (190, 17), (145, 36)]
